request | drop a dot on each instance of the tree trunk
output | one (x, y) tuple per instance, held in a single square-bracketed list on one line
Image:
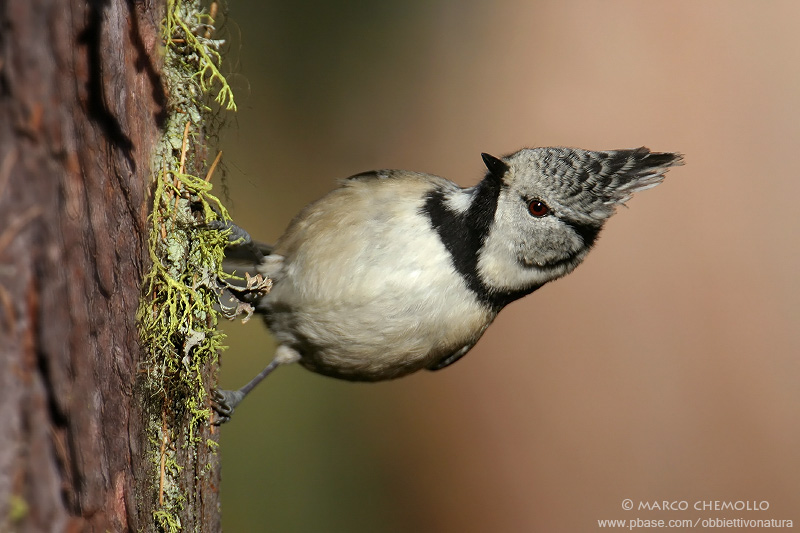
[(82, 105)]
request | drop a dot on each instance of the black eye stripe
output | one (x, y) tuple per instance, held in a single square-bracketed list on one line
[(587, 232)]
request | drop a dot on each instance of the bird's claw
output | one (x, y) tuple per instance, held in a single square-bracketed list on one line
[(237, 237), (224, 402)]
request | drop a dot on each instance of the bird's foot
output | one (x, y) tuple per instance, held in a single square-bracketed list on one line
[(237, 237), (224, 402)]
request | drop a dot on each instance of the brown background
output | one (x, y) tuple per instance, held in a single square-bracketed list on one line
[(665, 368)]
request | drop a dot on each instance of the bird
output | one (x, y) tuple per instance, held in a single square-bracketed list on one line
[(396, 271)]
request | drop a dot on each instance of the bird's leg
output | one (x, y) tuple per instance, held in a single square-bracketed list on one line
[(225, 401), (243, 256)]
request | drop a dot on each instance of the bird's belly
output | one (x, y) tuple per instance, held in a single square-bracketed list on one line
[(382, 332)]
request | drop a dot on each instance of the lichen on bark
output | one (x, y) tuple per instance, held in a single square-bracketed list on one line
[(177, 317)]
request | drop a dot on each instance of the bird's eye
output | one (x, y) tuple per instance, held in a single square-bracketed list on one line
[(538, 208)]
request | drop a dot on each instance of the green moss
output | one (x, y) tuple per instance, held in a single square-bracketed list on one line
[(18, 509), (177, 319)]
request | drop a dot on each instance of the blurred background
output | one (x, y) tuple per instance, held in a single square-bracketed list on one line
[(667, 367)]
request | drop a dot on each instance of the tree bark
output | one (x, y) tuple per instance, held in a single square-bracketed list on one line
[(81, 106)]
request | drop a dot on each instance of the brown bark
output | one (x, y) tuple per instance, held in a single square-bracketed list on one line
[(81, 106)]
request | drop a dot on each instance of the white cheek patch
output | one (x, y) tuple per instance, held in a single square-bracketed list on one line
[(520, 252), (503, 272), (499, 266)]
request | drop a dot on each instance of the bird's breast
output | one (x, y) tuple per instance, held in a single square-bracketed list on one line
[(372, 294)]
